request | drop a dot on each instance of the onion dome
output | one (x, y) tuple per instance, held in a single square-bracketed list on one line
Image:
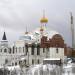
[(44, 19)]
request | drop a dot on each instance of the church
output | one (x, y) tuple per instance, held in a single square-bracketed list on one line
[(33, 47)]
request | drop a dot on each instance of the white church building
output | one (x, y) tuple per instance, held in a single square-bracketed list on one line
[(33, 47)]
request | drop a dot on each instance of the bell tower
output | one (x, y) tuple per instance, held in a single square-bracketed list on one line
[(72, 31)]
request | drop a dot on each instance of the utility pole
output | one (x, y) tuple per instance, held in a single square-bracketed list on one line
[(72, 31)]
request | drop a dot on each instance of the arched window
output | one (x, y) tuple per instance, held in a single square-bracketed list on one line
[(13, 49), (43, 50), (23, 49), (26, 46), (38, 61), (9, 50), (32, 61), (15, 63), (57, 50), (25, 61), (38, 49), (5, 50), (6, 61), (32, 51), (20, 62)]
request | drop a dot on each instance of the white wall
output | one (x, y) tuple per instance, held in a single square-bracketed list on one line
[(54, 54)]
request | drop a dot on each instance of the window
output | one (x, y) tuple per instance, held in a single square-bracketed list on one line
[(43, 50), (56, 50), (16, 49), (5, 50), (23, 49), (38, 49), (26, 46), (32, 61), (20, 62), (38, 61), (25, 61), (48, 49), (13, 49), (15, 63), (9, 50), (12, 64), (0, 50), (32, 51), (27, 37), (6, 61)]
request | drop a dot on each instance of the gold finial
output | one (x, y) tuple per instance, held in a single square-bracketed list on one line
[(43, 13)]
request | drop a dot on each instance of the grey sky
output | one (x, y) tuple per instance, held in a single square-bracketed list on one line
[(15, 15)]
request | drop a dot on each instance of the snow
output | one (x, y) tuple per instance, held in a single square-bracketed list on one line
[(23, 58), (68, 66), (46, 69), (52, 59), (13, 67), (47, 32)]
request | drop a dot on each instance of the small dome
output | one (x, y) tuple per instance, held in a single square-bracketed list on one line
[(42, 29), (44, 20)]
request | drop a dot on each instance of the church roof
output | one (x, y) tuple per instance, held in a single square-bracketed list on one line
[(4, 36), (47, 32)]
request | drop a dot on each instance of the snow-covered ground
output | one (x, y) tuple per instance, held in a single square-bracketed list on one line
[(69, 69), (66, 69)]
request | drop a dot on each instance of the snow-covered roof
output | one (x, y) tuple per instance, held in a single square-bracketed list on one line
[(28, 36), (23, 58), (35, 35), (47, 32), (52, 59)]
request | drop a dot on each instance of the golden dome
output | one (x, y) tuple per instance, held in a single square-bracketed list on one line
[(44, 20)]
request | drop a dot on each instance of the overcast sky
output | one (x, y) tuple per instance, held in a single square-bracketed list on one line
[(15, 15)]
